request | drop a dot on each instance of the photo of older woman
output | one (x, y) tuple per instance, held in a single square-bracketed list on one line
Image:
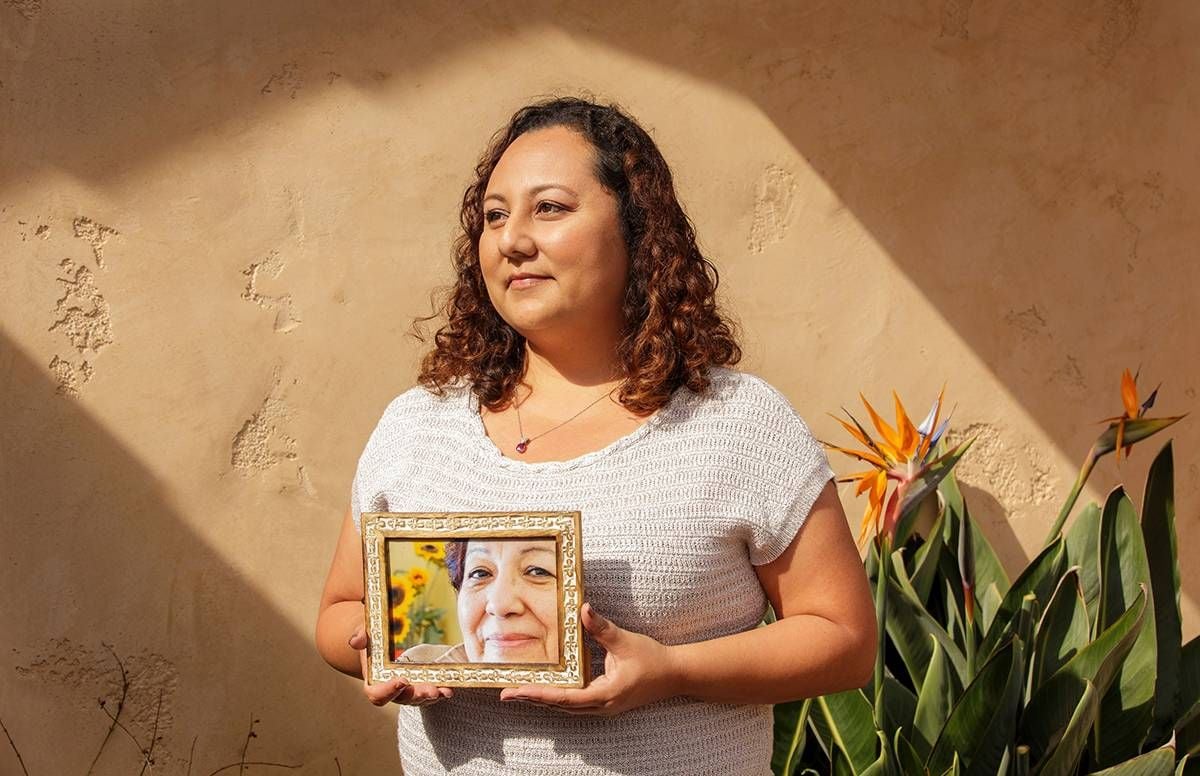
[(507, 603)]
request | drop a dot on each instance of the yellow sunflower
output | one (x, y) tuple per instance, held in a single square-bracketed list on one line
[(432, 551), (418, 576), (402, 593), (400, 626)]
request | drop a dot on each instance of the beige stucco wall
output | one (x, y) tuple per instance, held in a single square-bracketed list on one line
[(229, 211)]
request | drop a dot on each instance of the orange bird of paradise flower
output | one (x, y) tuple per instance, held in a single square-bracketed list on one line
[(901, 454), (1133, 410)]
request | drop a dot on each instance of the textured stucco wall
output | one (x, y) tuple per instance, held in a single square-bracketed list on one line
[(217, 218)]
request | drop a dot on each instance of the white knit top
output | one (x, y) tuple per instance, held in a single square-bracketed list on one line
[(675, 515)]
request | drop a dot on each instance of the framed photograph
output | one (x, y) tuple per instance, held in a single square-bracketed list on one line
[(474, 599)]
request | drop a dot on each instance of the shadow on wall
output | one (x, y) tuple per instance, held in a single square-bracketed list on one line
[(101, 575), (1028, 166)]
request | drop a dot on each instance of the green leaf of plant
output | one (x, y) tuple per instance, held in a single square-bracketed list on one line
[(1046, 715), (1039, 578), (1127, 708), (909, 626), (820, 731), (925, 560), (1083, 550), (906, 756), (1135, 431), (989, 604), (851, 726), (842, 766), (791, 721), (1187, 731), (883, 764), (1063, 759), (917, 513), (1158, 533), (927, 480), (938, 692), (1187, 726), (1063, 629), (1025, 620), (899, 705), (1160, 762), (988, 569), (983, 721)]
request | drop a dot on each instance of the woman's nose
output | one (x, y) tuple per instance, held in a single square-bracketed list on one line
[(514, 239), (504, 598)]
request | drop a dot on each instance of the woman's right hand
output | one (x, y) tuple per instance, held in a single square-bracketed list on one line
[(397, 690)]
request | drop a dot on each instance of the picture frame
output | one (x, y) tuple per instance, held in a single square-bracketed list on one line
[(502, 559)]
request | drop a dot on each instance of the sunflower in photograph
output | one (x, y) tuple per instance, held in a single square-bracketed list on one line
[(435, 552), (418, 576)]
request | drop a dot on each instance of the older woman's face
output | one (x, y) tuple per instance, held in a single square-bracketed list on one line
[(508, 601), (546, 215)]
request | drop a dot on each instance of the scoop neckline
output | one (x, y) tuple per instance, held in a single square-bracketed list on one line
[(491, 452)]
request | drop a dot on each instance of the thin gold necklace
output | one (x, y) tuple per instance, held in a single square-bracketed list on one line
[(525, 441)]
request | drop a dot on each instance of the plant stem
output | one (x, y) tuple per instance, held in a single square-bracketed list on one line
[(884, 544), (1084, 473)]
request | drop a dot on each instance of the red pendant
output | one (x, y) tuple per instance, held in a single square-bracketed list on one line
[(522, 445)]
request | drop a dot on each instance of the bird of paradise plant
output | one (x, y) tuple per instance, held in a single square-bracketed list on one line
[(904, 454), (1123, 432), (1081, 664)]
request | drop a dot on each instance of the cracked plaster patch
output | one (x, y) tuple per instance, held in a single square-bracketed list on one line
[(90, 673), (774, 201), (1017, 478), (95, 235), (286, 316), (956, 14), (82, 315)]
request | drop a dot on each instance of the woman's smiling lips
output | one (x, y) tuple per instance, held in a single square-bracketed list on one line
[(525, 280), (509, 640)]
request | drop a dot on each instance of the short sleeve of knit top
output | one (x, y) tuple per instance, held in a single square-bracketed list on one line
[(675, 516)]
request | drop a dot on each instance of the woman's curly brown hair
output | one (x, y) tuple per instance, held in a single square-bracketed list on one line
[(673, 329)]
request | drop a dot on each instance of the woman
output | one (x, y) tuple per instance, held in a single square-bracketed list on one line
[(507, 603), (585, 365)]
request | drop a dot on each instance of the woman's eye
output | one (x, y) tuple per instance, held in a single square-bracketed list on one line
[(551, 204), (478, 573), (538, 571), (488, 215)]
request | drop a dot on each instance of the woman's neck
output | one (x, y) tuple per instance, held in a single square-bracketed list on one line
[(564, 369)]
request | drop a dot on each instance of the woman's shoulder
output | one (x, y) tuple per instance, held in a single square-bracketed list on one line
[(745, 411), (734, 391), (419, 401)]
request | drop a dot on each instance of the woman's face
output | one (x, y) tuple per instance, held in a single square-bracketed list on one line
[(508, 601), (545, 214)]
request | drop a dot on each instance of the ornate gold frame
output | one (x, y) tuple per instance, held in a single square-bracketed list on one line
[(565, 527)]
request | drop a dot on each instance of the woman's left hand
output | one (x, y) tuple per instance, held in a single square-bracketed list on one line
[(637, 670)]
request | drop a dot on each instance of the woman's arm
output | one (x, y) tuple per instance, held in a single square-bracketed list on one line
[(341, 632), (341, 608), (823, 642)]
